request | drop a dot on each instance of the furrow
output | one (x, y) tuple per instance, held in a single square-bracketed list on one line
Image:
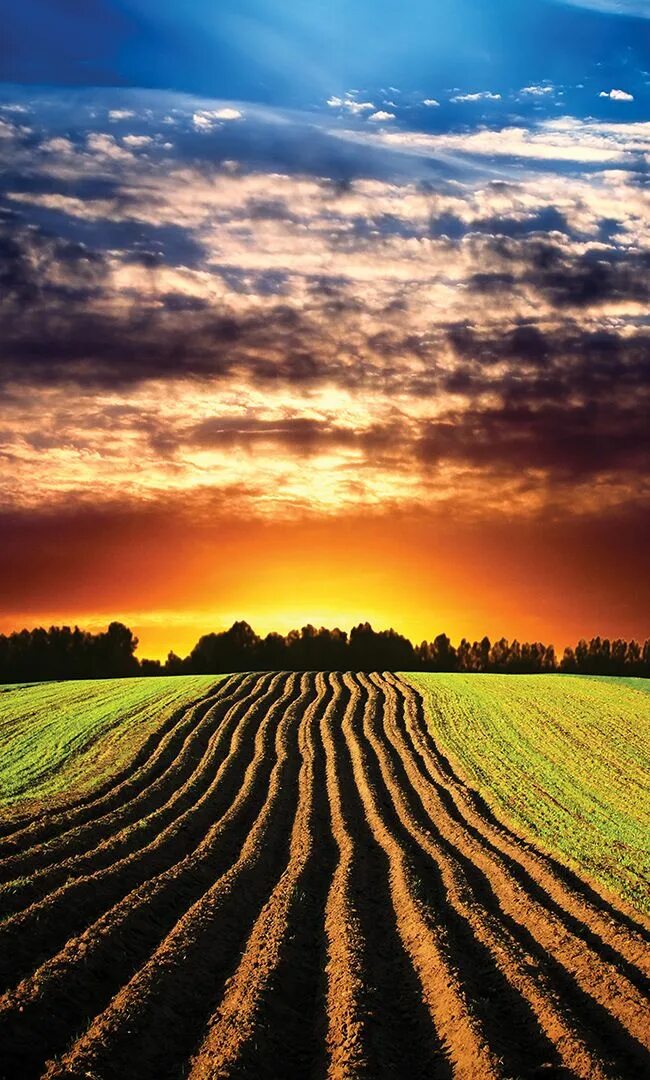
[(424, 937), (272, 1005), (28, 938), (620, 930), (523, 998), (132, 826), (141, 775), (348, 1037), (602, 978), (40, 1016), (383, 1026), (295, 882), (16, 822), (154, 1022)]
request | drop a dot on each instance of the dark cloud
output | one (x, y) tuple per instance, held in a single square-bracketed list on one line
[(291, 274), (302, 435), (594, 277), (581, 362), (574, 402), (569, 443), (547, 219), (564, 278)]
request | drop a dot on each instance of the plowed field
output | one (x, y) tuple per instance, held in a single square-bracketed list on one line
[(295, 883)]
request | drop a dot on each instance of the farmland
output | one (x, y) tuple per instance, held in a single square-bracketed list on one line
[(62, 737), (565, 760), (340, 875)]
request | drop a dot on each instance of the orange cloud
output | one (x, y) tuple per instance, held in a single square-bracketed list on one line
[(290, 392)]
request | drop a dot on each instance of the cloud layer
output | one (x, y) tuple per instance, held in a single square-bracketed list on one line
[(285, 316)]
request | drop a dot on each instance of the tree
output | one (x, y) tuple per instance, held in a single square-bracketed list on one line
[(441, 654), (64, 653), (114, 652), (232, 650)]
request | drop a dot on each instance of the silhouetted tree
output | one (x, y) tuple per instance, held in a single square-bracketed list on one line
[(437, 655), (62, 653), (174, 665), (151, 667), (633, 662), (65, 653), (273, 653), (114, 652), (569, 663), (231, 650), (385, 650)]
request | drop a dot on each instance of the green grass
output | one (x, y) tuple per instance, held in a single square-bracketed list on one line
[(69, 736), (565, 759)]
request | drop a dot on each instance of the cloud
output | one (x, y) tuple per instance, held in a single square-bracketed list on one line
[(207, 119), (483, 95), (137, 141), (382, 115), (327, 332), (9, 129), (105, 146), (554, 140), (540, 90), (120, 114), (616, 95), (58, 144), (351, 104), (431, 102)]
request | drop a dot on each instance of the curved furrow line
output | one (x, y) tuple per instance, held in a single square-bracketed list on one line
[(601, 993), (423, 934), (29, 938), (608, 942), (561, 1040), (603, 1004), (140, 776), (505, 1020), (347, 1012), (134, 825), (378, 1025), (303, 887), (15, 823), (177, 757), (46, 1011), (606, 1003), (156, 1020), (272, 1005), (622, 933)]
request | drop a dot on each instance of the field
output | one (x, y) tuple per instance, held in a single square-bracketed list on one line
[(312, 875), (566, 760), (59, 737)]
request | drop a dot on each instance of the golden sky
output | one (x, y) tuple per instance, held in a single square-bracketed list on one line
[(378, 374)]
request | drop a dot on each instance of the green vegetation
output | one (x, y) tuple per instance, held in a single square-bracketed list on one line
[(565, 758), (68, 737)]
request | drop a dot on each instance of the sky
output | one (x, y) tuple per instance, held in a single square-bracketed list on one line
[(324, 313)]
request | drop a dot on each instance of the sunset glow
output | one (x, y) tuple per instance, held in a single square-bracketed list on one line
[(172, 580), (358, 350)]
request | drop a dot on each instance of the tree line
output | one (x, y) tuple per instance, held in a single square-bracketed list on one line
[(63, 652)]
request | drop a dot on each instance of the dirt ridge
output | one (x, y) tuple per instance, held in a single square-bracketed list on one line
[(141, 771), (296, 883)]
